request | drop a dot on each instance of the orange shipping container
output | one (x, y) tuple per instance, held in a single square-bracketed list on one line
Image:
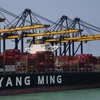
[(31, 68), (66, 67)]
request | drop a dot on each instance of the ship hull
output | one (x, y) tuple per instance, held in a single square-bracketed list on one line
[(22, 83)]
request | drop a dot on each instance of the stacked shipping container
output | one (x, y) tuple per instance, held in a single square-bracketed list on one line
[(80, 62), (28, 62), (64, 61), (85, 61), (49, 61), (45, 61), (10, 58), (39, 62)]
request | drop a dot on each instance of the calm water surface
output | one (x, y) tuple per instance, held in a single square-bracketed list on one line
[(87, 94)]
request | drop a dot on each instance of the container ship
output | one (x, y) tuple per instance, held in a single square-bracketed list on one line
[(38, 70)]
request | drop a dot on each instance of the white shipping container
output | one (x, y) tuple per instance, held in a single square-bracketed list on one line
[(10, 68), (1, 69)]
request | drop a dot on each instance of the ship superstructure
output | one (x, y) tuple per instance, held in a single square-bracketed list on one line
[(41, 47)]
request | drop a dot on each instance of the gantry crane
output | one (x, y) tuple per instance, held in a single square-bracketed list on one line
[(37, 34), (65, 23), (79, 36), (12, 29), (58, 29), (20, 25), (33, 34), (65, 32)]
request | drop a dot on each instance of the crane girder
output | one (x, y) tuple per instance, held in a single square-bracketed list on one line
[(84, 38), (76, 39), (54, 32), (12, 29), (43, 34)]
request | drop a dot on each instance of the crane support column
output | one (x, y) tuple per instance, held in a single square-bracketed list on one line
[(16, 43), (4, 43), (64, 49), (81, 47), (69, 43), (33, 40), (73, 48), (60, 49), (56, 51), (22, 43), (0, 44)]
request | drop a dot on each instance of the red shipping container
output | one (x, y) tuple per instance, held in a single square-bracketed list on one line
[(48, 52), (82, 69), (49, 63), (28, 58), (66, 67), (31, 56), (7, 57), (41, 64), (31, 68), (49, 58), (81, 56), (35, 56), (17, 58), (58, 58), (50, 69), (74, 68), (41, 57), (22, 69), (41, 69), (32, 63), (12, 50), (9, 61), (1, 60)]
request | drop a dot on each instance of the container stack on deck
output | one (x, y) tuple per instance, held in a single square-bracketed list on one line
[(10, 58), (41, 62), (28, 62), (31, 60), (86, 62), (80, 62), (13, 61), (49, 61), (64, 62)]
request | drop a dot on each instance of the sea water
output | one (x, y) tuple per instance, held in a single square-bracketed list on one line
[(86, 94)]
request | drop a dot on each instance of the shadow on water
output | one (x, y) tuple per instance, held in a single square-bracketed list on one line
[(86, 94)]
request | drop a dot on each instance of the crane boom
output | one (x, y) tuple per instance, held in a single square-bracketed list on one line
[(43, 34), (77, 39), (12, 29)]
